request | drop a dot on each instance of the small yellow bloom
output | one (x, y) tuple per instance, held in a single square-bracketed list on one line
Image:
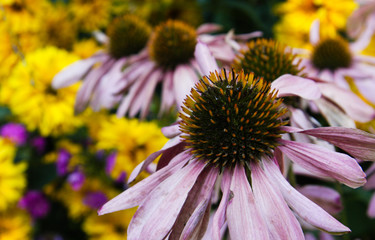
[(31, 98), (12, 178), (298, 15), (15, 224), (131, 139)]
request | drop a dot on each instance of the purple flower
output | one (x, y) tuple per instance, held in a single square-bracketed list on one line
[(15, 132), (62, 162), (76, 180), (95, 199), (39, 143), (231, 131), (110, 162), (35, 203)]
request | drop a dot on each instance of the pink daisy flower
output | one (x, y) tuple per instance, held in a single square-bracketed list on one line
[(131, 81), (230, 133), (339, 62)]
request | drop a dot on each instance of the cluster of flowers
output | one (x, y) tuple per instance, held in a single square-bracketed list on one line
[(231, 135)]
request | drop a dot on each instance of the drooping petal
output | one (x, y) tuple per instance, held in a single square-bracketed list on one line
[(371, 207), (205, 60), (367, 88), (364, 39), (135, 195), (157, 214), (348, 101), (281, 222), (171, 131), (315, 32), (324, 162), (219, 217), (208, 28), (325, 197), (289, 85), (302, 206), (333, 114), (195, 206), (167, 99), (357, 143), (244, 219), (74, 72), (140, 167)]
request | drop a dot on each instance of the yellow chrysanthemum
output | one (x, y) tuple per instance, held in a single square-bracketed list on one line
[(31, 98), (12, 178), (298, 15), (58, 28), (8, 58), (15, 224), (108, 227), (23, 15), (133, 140), (90, 15)]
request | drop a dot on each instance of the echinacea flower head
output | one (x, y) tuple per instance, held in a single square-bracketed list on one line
[(128, 35), (15, 224), (339, 67), (173, 43), (267, 58), (102, 73), (12, 175), (32, 99), (231, 129)]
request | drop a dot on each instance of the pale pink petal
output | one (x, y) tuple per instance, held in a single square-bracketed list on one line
[(91, 82), (75, 72), (325, 197), (357, 143), (100, 37), (196, 226), (333, 114), (364, 39), (371, 207), (326, 75), (184, 79), (190, 220), (208, 28), (314, 32), (157, 214), (140, 167), (289, 85), (172, 130), (167, 98), (147, 93), (367, 88), (302, 206), (219, 217), (348, 101), (281, 222), (244, 219), (136, 194), (324, 162), (205, 60)]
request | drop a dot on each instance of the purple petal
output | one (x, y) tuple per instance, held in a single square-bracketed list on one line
[(190, 220), (208, 28), (184, 79), (289, 85), (302, 206), (140, 167), (136, 194), (281, 222), (243, 216), (205, 60), (157, 214), (371, 207), (324, 162), (172, 130), (357, 143), (74, 72), (167, 99), (325, 197), (348, 101)]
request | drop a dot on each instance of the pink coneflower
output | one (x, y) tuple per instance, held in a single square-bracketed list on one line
[(126, 38), (270, 59), (231, 132), (168, 59), (334, 60)]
